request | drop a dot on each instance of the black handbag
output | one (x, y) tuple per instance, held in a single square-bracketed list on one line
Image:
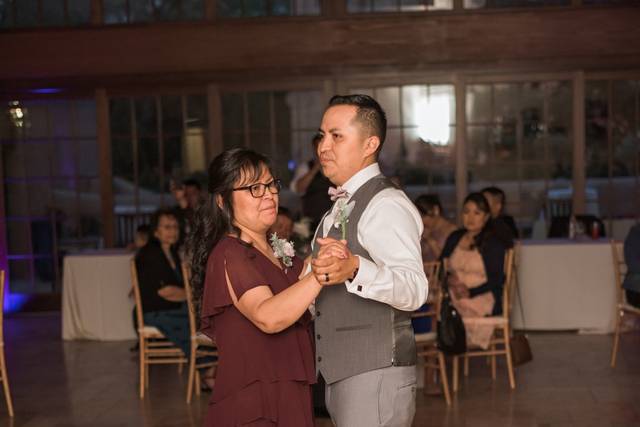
[(452, 336)]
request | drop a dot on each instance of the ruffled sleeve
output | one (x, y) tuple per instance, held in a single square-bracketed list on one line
[(240, 263)]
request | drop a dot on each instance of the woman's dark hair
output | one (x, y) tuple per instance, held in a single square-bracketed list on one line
[(481, 202), (155, 218), (212, 222), (427, 202)]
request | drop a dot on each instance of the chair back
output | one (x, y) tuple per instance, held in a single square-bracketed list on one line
[(2, 276), (619, 268), (432, 271), (559, 207), (136, 295), (507, 290), (186, 275)]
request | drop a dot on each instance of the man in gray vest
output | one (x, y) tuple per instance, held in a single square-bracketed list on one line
[(365, 347)]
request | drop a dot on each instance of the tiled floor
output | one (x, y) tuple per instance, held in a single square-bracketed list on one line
[(63, 384)]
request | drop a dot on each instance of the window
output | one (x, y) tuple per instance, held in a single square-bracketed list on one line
[(519, 138), (154, 140), (44, 13), (279, 124), (49, 156), (254, 8), (496, 4), (613, 146), (131, 11), (419, 148), (369, 6)]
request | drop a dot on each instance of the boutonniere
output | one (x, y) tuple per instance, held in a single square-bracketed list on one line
[(343, 210), (282, 249)]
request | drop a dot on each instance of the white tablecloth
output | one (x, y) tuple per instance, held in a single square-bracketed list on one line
[(566, 285), (95, 297)]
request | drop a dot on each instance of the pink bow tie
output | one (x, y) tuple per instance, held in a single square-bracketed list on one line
[(337, 193)]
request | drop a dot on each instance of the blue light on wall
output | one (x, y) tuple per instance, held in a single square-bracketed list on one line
[(46, 90), (14, 302)]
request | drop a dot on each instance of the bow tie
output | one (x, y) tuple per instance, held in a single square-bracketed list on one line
[(337, 193)]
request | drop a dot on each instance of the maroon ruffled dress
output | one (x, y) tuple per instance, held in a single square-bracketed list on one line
[(262, 379)]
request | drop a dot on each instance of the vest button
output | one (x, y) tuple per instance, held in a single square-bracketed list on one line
[(318, 336), (319, 358), (318, 313)]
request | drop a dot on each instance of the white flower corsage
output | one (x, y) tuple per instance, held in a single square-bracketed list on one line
[(343, 210), (282, 249)]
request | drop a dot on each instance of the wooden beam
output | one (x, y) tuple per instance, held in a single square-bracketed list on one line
[(97, 12), (579, 144), (104, 152), (460, 143), (587, 38), (215, 142)]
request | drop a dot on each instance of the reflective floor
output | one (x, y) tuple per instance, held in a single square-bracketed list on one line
[(64, 384)]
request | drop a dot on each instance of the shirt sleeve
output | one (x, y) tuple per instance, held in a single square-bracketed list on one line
[(390, 230)]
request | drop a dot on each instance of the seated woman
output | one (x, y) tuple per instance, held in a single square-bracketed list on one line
[(476, 269), (161, 283), (631, 282), (436, 227)]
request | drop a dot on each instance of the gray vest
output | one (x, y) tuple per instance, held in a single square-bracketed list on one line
[(354, 334)]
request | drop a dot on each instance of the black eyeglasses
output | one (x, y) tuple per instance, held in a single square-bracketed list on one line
[(257, 190)]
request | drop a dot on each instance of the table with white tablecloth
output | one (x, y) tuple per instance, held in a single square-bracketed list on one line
[(95, 297), (566, 285)]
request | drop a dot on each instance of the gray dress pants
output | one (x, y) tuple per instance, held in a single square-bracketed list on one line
[(384, 397)]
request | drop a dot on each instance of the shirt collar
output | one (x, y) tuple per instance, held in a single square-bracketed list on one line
[(362, 176)]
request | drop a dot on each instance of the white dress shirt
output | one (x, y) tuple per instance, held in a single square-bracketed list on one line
[(389, 229)]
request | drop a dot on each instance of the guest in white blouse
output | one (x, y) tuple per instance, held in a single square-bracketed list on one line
[(365, 347)]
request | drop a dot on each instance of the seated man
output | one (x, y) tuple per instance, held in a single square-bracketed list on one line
[(283, 226), (504, 225)]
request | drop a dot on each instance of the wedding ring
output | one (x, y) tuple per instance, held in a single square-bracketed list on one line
[(326, 277)]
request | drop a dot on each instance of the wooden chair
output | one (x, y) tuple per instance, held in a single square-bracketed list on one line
[(201, 345), (432, 271), (3, 366), (623, 308), (500, 342), (155, 349), (426, 343)]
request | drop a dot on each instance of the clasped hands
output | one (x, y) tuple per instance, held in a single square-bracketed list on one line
[(456, 287), (334, 263)]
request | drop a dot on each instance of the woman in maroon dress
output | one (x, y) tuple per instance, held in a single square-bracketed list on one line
[(252, 302)]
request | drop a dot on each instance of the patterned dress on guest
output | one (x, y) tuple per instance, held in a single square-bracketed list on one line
[(469, 268)]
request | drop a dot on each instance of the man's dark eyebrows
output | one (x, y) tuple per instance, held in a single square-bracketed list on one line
[(320, 131)]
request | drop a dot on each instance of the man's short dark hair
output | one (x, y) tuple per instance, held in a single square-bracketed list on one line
[(285, 212), (496, 192), (369, 113), (192, 182), (144, 229)]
